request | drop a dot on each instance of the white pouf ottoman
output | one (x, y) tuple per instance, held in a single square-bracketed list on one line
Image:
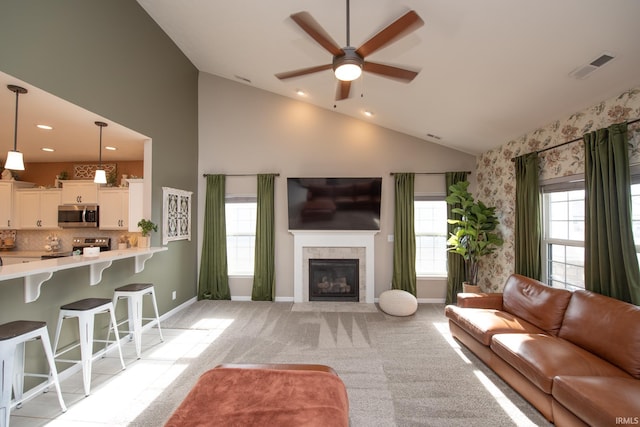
[(398, 303)]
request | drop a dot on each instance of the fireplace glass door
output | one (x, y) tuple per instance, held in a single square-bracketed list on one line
[(334, 280)]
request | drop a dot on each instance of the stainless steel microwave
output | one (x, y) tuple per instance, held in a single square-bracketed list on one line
[(78, 216)]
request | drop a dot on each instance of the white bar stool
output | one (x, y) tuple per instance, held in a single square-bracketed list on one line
[(134, 293), (13, 336), (85, 310)]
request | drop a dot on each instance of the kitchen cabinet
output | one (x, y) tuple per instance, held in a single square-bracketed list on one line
[(114, 208), (79, 192), (136, 203), (7, 206), (37, 209)]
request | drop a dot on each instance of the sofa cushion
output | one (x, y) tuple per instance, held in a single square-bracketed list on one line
[(482, 324), (605, 326), (481, 300), (541, 357), (535, 302), (599, 401)]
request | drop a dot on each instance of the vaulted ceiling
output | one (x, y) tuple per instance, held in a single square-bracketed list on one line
[(490, 70)]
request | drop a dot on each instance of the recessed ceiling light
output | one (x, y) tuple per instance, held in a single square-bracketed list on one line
[(49, 150), (45, 127), (300, 92), (110, 148), (368, 113)]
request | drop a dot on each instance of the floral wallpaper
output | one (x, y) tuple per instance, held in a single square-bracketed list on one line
[(496, 171)]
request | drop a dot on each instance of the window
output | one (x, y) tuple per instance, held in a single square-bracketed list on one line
[(431, 237), (635, 216), (241, 235), (563, 238), (564, 228)]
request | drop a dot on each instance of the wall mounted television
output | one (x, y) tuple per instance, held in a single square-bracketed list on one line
[(334, 203)]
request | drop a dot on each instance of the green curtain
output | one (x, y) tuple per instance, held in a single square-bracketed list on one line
[(455, 263), (214, 279), (611, 266), (264, 269), (528, 230), (404, 241)]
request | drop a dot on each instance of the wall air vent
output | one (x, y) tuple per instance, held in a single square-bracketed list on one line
[(585, 71)]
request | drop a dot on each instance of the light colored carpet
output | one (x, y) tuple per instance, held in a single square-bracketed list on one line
[(399, 371)]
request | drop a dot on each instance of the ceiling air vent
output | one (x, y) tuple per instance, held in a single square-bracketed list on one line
[(585, 71)]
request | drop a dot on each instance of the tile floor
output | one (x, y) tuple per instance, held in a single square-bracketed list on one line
[(117, 397)]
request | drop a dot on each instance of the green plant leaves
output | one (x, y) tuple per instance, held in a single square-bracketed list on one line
[(474, 235)]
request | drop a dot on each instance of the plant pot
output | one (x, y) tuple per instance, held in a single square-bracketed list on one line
[(471, 289), (122, 246), (144, 241)]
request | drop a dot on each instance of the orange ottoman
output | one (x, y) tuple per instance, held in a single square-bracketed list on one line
[(277, 395)]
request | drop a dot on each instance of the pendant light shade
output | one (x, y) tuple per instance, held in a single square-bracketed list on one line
[(14, 157), (101, 176)]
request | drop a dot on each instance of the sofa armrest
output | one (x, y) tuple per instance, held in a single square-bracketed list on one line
[(481, 300)]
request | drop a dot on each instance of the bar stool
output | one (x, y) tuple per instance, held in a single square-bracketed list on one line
[(13, 336), (134, 293), (85, 310)]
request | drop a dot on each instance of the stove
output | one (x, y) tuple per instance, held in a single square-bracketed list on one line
[(104, 243)]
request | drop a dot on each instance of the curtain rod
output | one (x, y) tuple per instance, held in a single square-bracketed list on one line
[(427, 173), (630, 122), (237, 174)]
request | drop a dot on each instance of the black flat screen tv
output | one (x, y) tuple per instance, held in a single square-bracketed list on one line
[(334, 203)]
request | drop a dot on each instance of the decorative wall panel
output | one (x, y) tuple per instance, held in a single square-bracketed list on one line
[(176, 214)]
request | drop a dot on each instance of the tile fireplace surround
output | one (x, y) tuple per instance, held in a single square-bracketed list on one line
[(333, 244)]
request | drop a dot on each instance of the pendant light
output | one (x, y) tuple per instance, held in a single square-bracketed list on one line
[(101, 176), (14, 157)]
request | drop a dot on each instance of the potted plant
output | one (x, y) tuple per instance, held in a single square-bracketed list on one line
[(474, 235), (146, 227)]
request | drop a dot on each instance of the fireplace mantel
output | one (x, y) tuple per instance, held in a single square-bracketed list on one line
[(333, 239)]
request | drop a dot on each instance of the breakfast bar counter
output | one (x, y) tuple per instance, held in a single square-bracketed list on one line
[(37, 272)]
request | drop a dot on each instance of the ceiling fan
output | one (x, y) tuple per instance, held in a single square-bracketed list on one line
[(349, 62)]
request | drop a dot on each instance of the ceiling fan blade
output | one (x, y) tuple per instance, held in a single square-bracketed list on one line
[(396, 73), (303, 71), (311, 27), (402, 26), (342, 90)]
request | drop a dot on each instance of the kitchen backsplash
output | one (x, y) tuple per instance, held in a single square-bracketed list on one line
[(35, 240)]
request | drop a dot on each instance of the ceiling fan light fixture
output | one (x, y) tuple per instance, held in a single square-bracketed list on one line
[(348, 67), (348, 72)]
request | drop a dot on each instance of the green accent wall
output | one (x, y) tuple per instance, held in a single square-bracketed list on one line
[(110, 57)]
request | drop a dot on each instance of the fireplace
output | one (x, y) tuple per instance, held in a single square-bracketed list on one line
[(334, 280), (333, 245)]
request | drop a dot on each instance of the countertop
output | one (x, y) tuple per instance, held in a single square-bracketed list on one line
[(37, 272), (24, 254)]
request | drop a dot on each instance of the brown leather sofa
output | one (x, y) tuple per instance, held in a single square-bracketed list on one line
[(575, 356)]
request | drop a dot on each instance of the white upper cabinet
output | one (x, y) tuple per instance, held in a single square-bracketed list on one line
[(79, 192), (7, 206), (37, 209), (114, 208)]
